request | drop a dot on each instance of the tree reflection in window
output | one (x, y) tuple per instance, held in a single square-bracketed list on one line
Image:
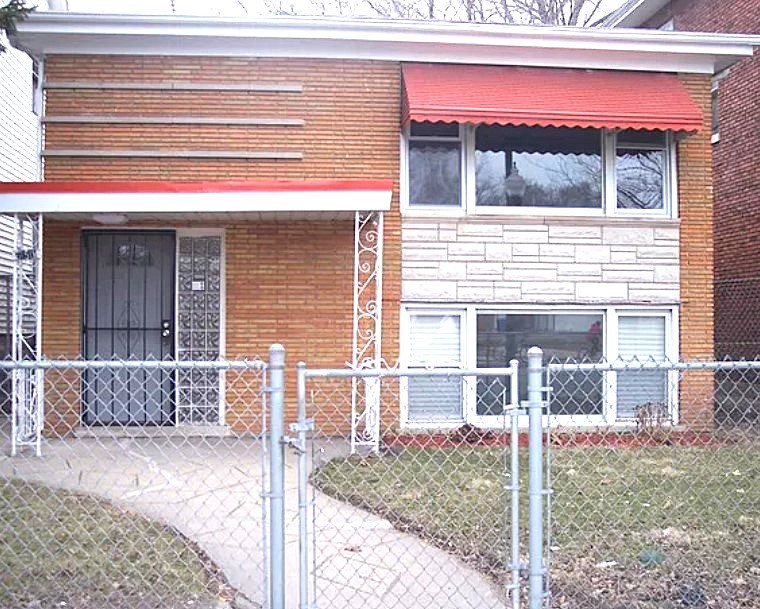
[(640, 169), (560, 167)]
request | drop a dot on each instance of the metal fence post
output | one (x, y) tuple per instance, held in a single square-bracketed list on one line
[(303, 498), (277, 477), (535, 477), (514, 389)]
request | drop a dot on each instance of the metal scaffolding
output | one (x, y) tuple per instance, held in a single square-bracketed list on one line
[(26, 327), (367, 352)]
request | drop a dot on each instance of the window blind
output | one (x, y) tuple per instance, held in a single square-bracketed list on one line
[(435, 341), (642, 338)]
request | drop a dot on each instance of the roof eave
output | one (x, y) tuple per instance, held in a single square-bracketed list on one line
[(49, 33)]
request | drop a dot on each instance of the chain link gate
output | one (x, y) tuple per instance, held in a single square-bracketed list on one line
[(365, 536)]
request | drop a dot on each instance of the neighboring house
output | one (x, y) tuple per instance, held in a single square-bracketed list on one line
[(736, 167), (19, 162), (529, 185)]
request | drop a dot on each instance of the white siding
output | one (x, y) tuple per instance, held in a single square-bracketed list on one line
[(19, 130)]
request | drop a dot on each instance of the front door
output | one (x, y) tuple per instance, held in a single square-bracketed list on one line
[(128, 303)]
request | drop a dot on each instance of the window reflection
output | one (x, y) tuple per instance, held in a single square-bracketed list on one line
[(575, 337), (538, 167)]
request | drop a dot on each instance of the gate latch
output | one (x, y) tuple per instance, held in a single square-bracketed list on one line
[(297, 428)]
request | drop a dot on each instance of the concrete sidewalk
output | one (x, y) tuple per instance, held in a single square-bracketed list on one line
[(210, 489)]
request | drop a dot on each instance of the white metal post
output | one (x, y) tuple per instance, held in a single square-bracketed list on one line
[(277, 477), (535, 477), (515, 483), (303, 499)]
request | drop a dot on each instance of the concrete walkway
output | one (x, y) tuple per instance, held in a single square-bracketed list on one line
[(210, 489)]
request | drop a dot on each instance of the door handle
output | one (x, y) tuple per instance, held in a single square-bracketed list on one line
[(166, 328)]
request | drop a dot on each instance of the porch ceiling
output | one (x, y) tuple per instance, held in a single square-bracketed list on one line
[(119, 202)]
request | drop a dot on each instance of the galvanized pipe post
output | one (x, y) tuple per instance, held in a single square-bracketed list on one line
[(535, 477), (303, 498), (277, 477), (515, 482)]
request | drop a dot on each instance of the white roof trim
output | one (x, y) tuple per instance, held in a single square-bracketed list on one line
[(175, 202), (47, 32)]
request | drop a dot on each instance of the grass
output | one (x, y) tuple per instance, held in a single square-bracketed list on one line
[(656, 527), (61, 549)]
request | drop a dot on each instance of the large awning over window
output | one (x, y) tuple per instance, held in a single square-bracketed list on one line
[(547, 97)]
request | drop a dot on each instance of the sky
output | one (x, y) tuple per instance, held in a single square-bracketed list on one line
[(211, 7)]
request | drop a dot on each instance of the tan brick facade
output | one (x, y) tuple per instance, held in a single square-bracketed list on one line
[(696, 212), (288, 282)]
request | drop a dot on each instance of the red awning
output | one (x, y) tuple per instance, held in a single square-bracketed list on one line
[(547, 97)]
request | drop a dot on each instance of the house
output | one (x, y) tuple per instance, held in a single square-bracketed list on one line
[(19, 162), (735, 137), (432, 193)]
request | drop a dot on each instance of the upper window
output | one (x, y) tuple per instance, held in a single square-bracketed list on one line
[(493, 167), (435, 164), (538, 167), (640, 165)]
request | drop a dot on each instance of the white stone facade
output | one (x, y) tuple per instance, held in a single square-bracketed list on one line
[(526, 260)]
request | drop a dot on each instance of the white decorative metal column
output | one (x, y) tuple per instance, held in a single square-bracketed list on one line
[(368, 311), (26, 345)]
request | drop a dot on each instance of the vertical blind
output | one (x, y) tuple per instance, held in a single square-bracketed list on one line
[(435, 341), (642, 338)]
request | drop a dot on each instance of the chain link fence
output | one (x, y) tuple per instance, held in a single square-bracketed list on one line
[(658, 505), (652, 476), (403, 488), (737, 325), (148, 491)]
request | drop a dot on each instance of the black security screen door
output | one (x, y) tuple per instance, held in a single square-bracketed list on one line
[(128, 302)]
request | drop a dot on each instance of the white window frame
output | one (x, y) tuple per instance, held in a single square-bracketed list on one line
[(671, 354), (608, 147), (433, 210), (669, 181), (405, 325), (468, 328)]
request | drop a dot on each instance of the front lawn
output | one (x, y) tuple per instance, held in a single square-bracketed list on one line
[(637, 527), (61, 549)]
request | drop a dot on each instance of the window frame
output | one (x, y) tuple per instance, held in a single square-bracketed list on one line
[(669, 193), (468, 330), (433, 210), (468, 203), (405, 328)]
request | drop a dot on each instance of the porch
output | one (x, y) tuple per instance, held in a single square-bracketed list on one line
[(186, 272)]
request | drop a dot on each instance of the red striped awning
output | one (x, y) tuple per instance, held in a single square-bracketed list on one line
[(547, 97)]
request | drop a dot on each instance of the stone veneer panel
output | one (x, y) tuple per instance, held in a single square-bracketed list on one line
[(585, 261)]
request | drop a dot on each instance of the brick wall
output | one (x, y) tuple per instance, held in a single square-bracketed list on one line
[(285, 281), (696, 212), (737, 173)]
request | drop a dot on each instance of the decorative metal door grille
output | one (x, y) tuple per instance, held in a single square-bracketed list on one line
[(199, 322)]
